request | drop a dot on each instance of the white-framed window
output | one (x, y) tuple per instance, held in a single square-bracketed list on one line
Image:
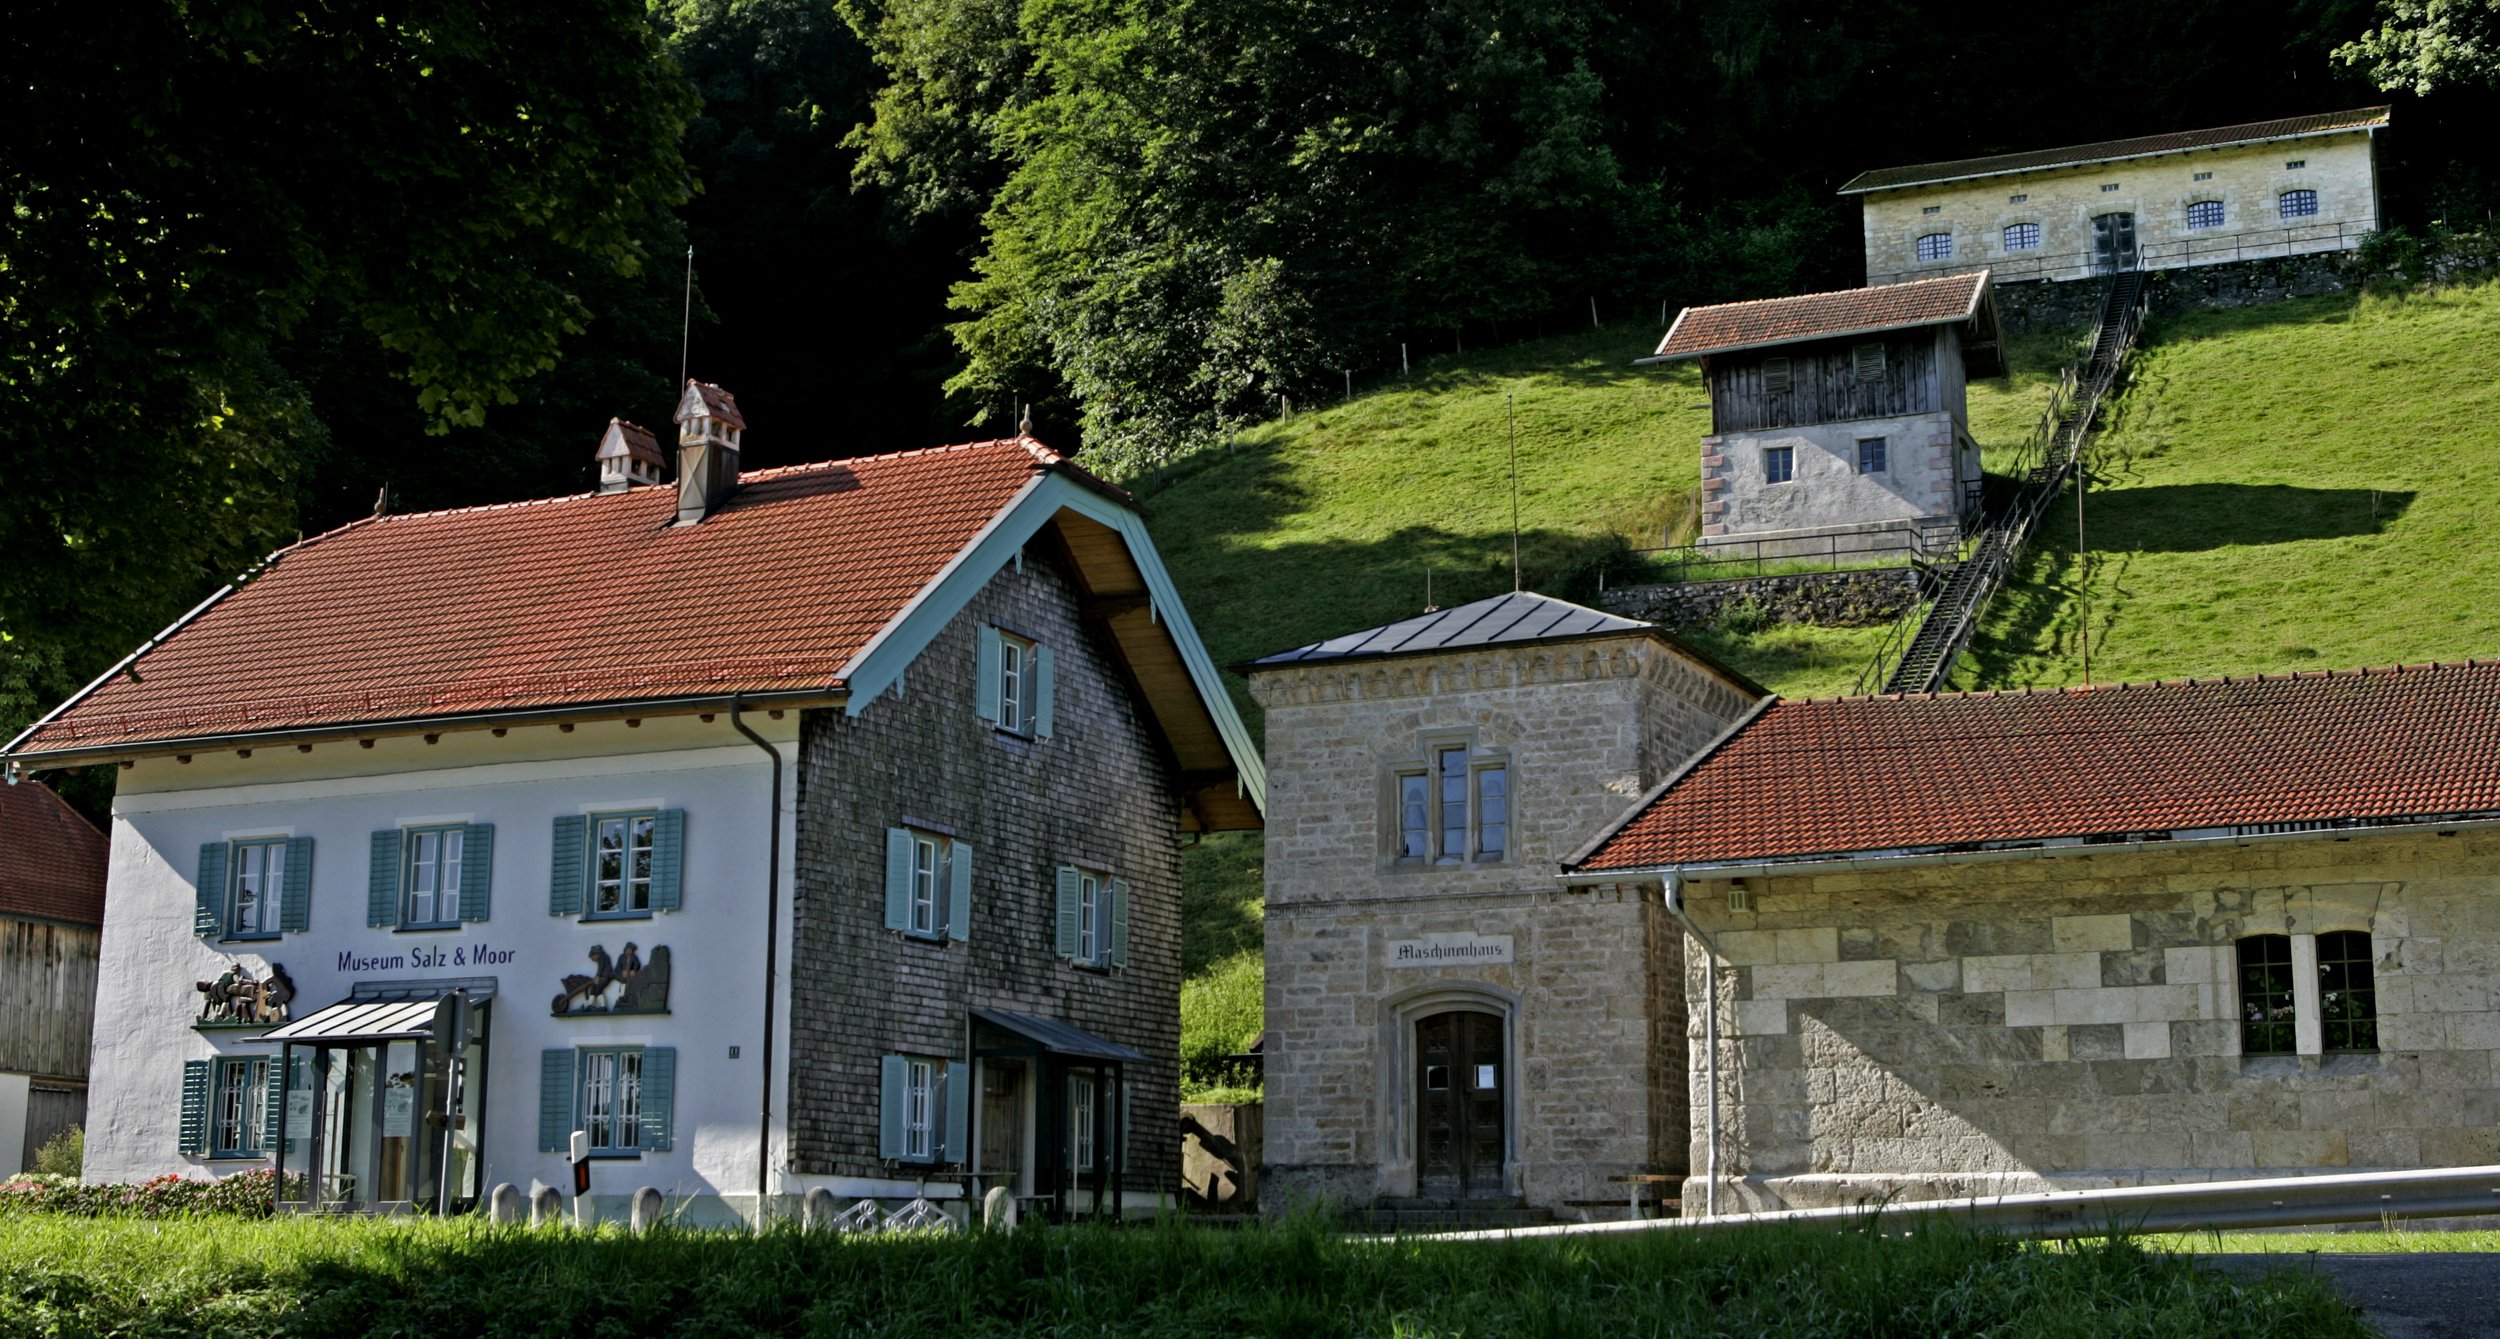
[(2022, 237), (2295, 164), (2204, 176), (2108, 187), (240, 1107), (1455, 808), (256, 889), (928, 883), (1779, 464), (2298, 204), (919, 1108), (2017, 198), (1084, 1111), (430, 885), (1871, 454), (2204, 214), (923, 1109), (1014, 673), (1932, 209), (2339, 1014), (622, 847), (1092, 914), (610, 1100), (1935, 246)]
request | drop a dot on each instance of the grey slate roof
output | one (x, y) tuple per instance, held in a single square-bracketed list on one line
[(1501, 620), (2143, 146)]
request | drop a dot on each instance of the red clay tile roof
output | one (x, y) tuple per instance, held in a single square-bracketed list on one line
[(1858, 775), (51, 860), (570, 601), (1850, 311), (2145, 146)]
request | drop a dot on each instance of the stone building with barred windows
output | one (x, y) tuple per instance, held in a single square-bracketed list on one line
[(726, 823)]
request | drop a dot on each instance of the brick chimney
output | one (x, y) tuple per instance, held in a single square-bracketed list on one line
[(629, 455), (708, 429)]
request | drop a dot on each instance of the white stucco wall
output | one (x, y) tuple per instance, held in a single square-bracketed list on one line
[(338, 794), (1825, 495), (2063, 202), (14, 1089)]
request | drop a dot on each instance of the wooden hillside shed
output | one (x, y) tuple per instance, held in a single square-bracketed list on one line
[(51, 928)]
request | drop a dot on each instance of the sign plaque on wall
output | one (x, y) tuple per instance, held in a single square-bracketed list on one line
[(1464, 948)]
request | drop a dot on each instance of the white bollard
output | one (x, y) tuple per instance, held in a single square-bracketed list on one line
[(504, 1204), (820, 1209), (998, 1208), (546, 1207), (647, 1209)]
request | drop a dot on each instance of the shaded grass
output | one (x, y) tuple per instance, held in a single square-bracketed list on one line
[(378, 1277), (2301, 486)]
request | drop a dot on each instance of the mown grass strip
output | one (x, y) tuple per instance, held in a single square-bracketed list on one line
[(71, 1278)]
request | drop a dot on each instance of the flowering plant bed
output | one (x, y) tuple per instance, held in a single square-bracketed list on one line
[(242, 1195)]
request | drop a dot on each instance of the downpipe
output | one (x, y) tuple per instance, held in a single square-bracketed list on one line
[(772, 957), (1674, 885)]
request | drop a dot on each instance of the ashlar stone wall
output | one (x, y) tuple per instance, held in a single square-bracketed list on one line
[(1589, 983), (2073, 1021)]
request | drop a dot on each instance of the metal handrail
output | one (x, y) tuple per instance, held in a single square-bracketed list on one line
[(2296, 239), (2191, 1206)]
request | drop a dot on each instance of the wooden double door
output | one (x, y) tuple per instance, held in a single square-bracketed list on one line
[(2113, 243), (1460, 1072)]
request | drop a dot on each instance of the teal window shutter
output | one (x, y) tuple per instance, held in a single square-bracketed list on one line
[(892, 1077), (959, 890), (898, 878), (659, 1097), (273, 1115), (985, 675), (1069, 895), (295, 897), (1041, 691), (382, 881), (555, 1100), (477, 872), (564, 883), (958, 1114), (195, 1106), (1117, 891), (668, 860), (208, 918)]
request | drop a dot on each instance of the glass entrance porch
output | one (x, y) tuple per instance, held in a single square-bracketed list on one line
[(384, 1099)]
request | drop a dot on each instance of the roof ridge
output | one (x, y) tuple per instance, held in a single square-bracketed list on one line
[(1842, 292), (2343, 119), (2189, 681)]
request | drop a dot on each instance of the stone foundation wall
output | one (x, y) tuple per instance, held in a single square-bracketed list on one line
[(2061, 1023), (1854, 598), (2066, 304)]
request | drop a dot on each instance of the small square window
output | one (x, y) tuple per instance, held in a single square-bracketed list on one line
[(1775, 376), (2016, 199), (2204, 176), (1778, 464), (2108, 186), (1868, 359), (2022, 237), (1933, 209), (2296, 164), (1871, 452), (1936, 246), (2297, 204), (2205, 214)]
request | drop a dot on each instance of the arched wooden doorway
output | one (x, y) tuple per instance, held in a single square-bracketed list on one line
[(1460, 1072)]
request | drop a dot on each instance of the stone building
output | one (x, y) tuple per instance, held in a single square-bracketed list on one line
[(2296, 186), (1444, 1021), (1840, 422), (2000, 942), (51, 905), (727, 823)]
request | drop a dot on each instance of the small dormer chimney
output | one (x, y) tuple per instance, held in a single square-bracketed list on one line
[(629, 455), (708, 429)]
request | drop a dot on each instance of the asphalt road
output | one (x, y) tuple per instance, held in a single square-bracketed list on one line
[(2432, 1295)]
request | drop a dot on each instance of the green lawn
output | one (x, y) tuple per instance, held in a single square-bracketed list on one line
[(2397, 1240), (2302, 486), (221, 1277)]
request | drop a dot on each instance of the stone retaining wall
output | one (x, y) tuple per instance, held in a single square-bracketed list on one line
[(2064, 304), (1855, 598)]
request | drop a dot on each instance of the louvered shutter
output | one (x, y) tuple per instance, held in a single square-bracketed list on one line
[(555, 1101), (195, 1081), (477, 872), (668, 860), (893, 1077), (1117, 891), (273, 1113), (958, 1114), (1069, 897), (1041, 691), (985, 675), (564, 879), (382, 880), (659, 1097), (208, 914), (958, 890), (898, 878), (295, 894)]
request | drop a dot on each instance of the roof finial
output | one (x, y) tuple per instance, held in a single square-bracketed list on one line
[(382, 501), (1024, 420)]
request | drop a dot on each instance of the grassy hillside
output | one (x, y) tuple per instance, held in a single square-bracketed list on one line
[(2301, 486)]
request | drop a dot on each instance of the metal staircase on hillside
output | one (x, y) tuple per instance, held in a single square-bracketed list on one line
[(1919, 661)]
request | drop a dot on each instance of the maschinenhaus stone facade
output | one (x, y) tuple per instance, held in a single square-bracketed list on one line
[(1444, 1020)]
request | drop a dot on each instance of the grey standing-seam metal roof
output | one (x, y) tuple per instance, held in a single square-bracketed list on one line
[(1500, 620), (1059, 1038)]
